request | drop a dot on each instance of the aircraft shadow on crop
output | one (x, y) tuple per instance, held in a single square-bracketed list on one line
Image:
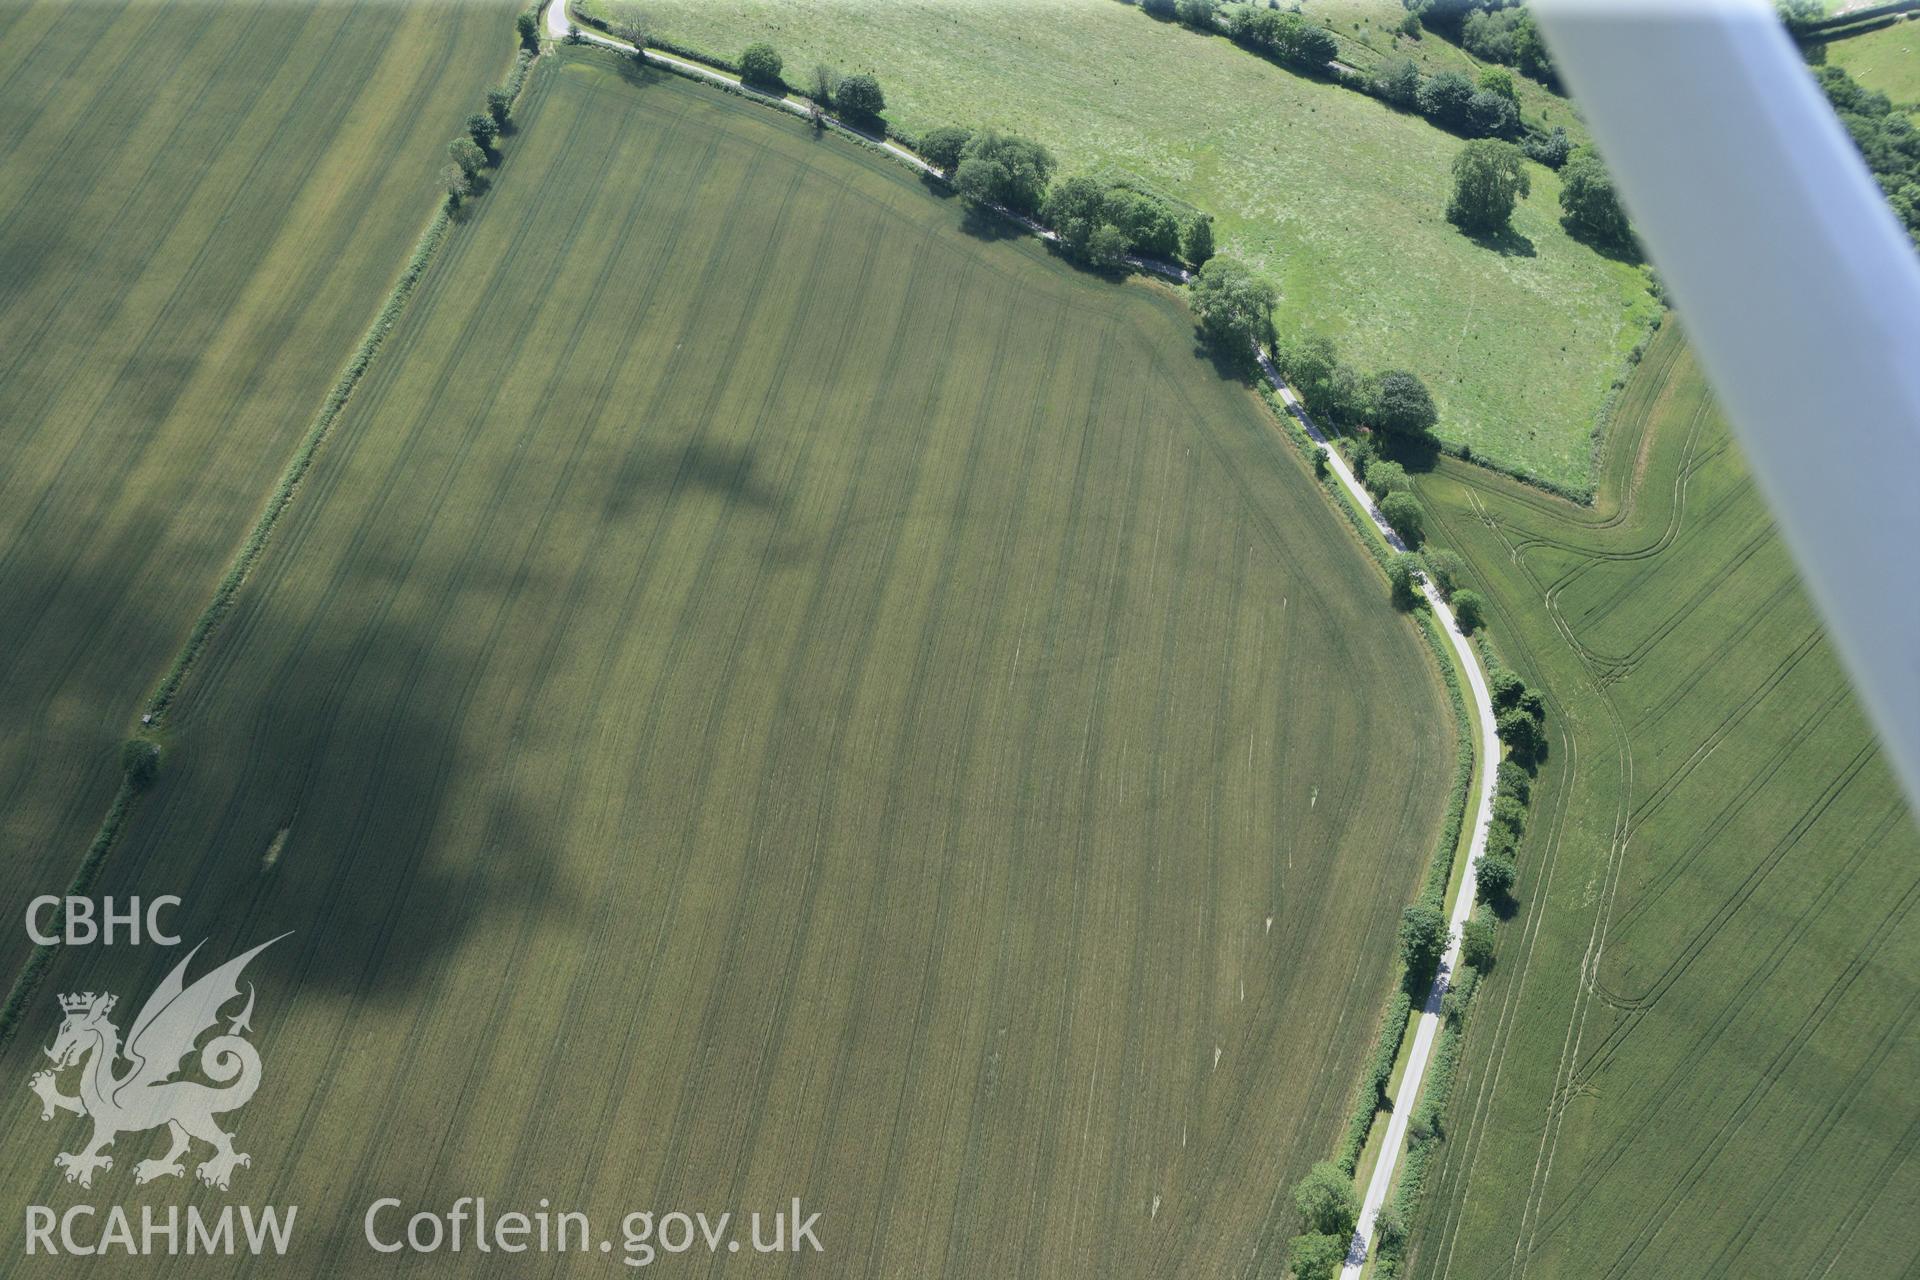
[(319, 806)]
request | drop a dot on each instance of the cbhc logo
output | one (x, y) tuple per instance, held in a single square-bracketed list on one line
[(79, 927)]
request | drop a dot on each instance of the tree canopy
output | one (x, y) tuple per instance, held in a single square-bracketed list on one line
[(1198, 240), (1887, 138), (1469, 610), (1403, 405), (1423, 937), (631, 25), (1493, 880), (1106, 247), (1386, 477), (1308, 361), (1495, 115), (1476, 943), (466, 153), (1326, 1200), (1316, 1256), (1489, 177), (458, 182), (1099, 224), (760, 64), (1506, 689), (1588, 203), (1402, 585), (1446, 99), (1283, 33), (140, 760), (1446, 569), (1073, 208), (1003, 169), (1197, 14), (859, 96), (1397, 81), (942, 146), (1148, 224), (1550, 149), (1531, 55), (1234, 307), (1513, 780), (1521, 732), (483, 129), (1402, 511)]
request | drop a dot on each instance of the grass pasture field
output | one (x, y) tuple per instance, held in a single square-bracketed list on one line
[(1886, 59), (1335, 197), (201, 208), (769, 693), (1717, 841)]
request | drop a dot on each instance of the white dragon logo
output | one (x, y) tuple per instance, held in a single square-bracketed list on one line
[(146, 1096)]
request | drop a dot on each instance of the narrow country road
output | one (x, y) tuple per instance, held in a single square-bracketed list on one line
[(1488, 749), (1488, 746)]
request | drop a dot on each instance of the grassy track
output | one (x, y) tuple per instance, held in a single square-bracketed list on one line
[(1717, 841), (1337, 198), (766, 694), (197, 219)]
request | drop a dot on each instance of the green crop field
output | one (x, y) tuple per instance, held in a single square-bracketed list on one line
[(1337, 198), (767, 693), (1695, 1057), (200, 210)]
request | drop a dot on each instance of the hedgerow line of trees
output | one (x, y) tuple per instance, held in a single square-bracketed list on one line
[(473, 151), (1488, 176), (1102, 224), (1488, 107), (1500, 31), (857, 97), (1887, 138), (1096, 224), (1325, 1199), (1332, 389)]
